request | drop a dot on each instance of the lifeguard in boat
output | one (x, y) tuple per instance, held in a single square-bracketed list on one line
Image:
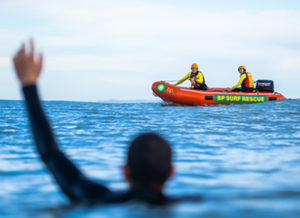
[(246, 83), (196, 77)]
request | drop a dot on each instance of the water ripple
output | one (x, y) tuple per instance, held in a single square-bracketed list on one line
[(244, 159)]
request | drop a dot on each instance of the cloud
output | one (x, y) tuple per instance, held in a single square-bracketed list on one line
[(128, 45)]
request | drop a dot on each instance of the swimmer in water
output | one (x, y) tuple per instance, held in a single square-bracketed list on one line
[(149, 158)]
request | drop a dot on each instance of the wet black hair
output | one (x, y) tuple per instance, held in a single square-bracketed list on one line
[(149, 159)]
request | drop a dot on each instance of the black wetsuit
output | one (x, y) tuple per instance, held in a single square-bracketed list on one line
[(70, 179)]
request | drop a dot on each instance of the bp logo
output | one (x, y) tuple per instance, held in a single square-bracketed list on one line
[(161, 87)]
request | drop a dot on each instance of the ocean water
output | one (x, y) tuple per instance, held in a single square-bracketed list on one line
[(243, 159)]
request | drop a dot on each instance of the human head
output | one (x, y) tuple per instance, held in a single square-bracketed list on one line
[(194, 67), (242, 69), (149, 161)]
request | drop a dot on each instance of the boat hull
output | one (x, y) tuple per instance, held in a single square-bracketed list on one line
[(213, 96)]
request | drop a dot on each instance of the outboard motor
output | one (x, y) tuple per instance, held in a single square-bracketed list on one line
[(265, 86)]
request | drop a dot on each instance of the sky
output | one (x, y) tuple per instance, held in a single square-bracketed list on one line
[(100, 50)]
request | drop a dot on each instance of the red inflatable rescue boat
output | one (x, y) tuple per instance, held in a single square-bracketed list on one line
[(213, 96)]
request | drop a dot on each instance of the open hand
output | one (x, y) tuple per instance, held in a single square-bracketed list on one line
[(28, 65)]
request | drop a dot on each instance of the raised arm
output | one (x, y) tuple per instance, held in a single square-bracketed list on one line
[(72, 182), (183, 79)]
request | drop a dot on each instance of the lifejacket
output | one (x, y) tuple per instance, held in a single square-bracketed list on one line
[(248, 82), (194, 76)]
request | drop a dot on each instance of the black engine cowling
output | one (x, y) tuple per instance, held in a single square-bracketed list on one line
[(265, 86)]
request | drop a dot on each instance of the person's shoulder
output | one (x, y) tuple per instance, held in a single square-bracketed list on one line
[(111, 197), (129, 196)]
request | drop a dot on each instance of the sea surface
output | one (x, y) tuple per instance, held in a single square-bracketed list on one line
[(243, 159)]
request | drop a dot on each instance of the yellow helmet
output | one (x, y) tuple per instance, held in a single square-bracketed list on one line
[(242, 67), (194, 66)]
